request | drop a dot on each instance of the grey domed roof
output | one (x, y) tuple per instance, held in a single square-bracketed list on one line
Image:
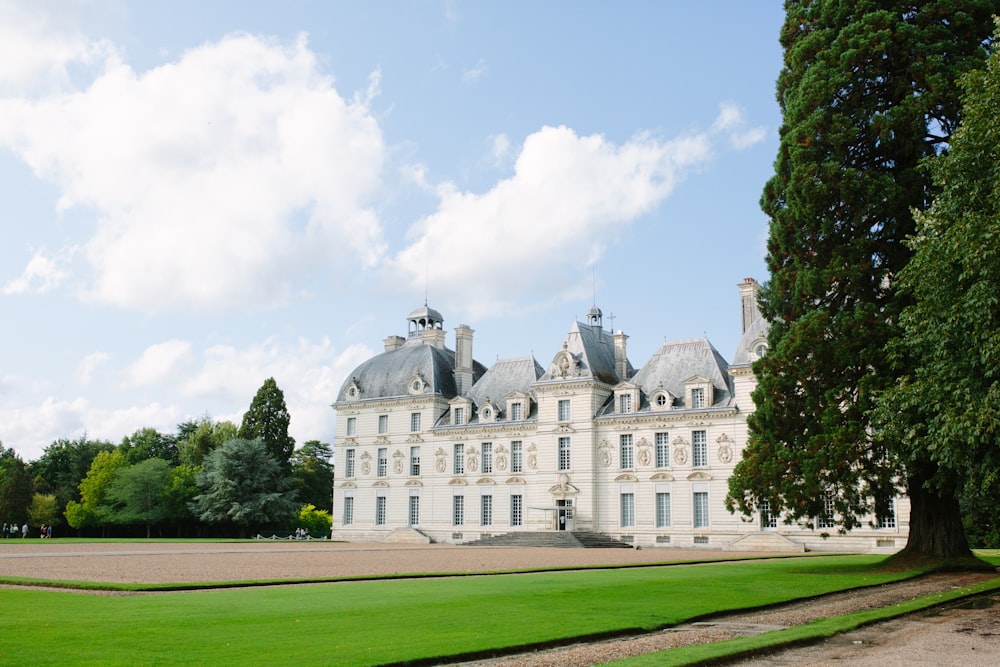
[(392, 373), (676, 362), (755, 333)]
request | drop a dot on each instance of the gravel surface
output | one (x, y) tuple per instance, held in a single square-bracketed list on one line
[(194, 562)]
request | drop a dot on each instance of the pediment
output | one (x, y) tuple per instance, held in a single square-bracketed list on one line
[(483, 481), (414, 482), (662, 477), (348, 485), (626, 477), (699, 477), (380, 485), (458, 482), (515, 480), (564, 489)]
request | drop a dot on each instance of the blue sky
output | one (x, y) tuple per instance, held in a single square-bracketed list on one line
[(196, 196)]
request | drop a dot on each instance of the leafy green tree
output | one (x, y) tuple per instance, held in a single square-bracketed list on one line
[(243, 485), (268, 419), (16, 487), (44, 510), (147, 443), (197, 439), (62, 466), (313, 473), (317, 522), (96, 507), (138, 492), (945, 409), (867, 92), (178, 493)]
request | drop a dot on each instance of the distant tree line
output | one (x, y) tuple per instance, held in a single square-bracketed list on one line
[(209, 478)]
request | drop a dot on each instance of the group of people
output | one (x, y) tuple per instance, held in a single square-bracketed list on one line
[(45, 531), (11, 530)]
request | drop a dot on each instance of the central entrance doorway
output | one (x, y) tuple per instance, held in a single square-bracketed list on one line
[(564, 514)]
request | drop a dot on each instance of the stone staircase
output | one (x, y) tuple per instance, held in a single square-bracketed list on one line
[(766, 542), (565, 539)]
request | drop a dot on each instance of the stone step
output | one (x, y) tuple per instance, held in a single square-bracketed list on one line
[(561, 539)]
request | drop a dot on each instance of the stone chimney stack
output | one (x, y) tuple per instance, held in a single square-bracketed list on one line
[(749, 291), (393, 343), (621, 356), (463, 358)]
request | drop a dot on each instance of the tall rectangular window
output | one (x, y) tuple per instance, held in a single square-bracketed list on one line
[(383, 424), (414, 518), (349, 462), (517, 411), (563, 410), (564, 460), (486, 510), (380, 511), (627, 510), (348, 511), (662, 510), (625, 403), (887, 514), (459, 460), (662, 450), (626, 451), (516, 456), (698, 397), (516, 510), (700, 502), (458, 510), (459, 416), (383, 461), (825, 520), (699, 449), (415, 461), (414, 422), (487, 458), (768, 519), (352, 426)]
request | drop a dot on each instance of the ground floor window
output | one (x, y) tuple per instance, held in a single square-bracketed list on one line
[(825, 520), (486, 510), (414, 511), (700, 504), (767, 518), (380, 511), (458, 510), (348, 511), (662, 510), (627, 510), (887, 514), (516, 510)]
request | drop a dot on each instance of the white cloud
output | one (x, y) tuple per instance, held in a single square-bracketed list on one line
[(221, 181), (732, 123), (85, 370), (500, 148), (569, 197), (475, 73), (41, 274), (159, 363)]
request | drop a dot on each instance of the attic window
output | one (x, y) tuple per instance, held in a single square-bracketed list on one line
[(516, 411), (759, 349), (625, 403), (459, 416), (697, 397), (661, 400)]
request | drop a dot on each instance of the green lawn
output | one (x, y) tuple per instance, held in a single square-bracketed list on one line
[(377, 622)]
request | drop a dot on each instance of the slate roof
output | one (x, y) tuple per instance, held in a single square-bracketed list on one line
[(678, 361), (593, 348), (503, 378), (388, 374)]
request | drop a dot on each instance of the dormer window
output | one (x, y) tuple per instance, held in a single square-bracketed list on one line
[(626, 398), (353, 391), (517, 411), (625, 403), (698, 397), (459, 416)]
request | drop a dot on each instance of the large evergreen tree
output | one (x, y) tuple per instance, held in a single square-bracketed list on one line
[(946, 406), (268, 419), (867, 92)]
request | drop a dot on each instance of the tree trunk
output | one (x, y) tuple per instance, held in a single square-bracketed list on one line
[(936, 529)]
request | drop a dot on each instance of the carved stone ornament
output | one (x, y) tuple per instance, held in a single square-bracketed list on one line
[(472, 463), (501, 462), (441, 462), (725, 453), (440, 465), (532, 462), (605, 453), (680, 455), (644, 457), (397, 466), (606, 459), (365, 467)]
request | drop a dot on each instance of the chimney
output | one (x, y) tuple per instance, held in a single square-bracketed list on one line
[(463, 359), (621, 358), (749, 292), (393, 343)]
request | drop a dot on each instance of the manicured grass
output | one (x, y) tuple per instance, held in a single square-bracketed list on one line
[(377, 622)]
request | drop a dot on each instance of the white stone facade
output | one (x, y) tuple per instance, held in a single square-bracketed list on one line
[(428, 440)]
